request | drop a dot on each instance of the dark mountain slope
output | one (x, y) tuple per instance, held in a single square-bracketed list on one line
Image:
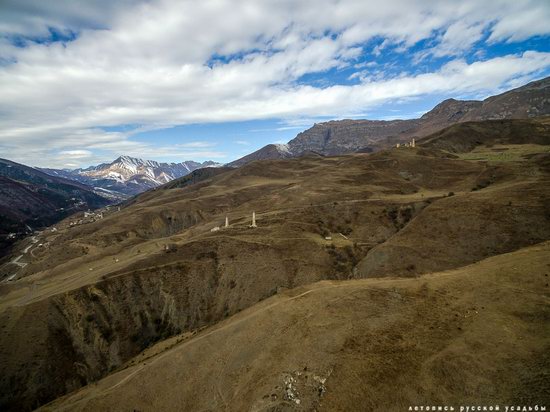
[(196, 176), (31, 199), (464, 137), (270, 151)]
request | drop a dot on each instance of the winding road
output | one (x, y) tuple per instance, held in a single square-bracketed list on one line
[(15, 261)]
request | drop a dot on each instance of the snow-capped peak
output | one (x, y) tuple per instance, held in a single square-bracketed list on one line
[(147, 173)]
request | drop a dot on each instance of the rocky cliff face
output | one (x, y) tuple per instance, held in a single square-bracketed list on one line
[(527, 101), (336, 137), (448, 112), (345, 136)]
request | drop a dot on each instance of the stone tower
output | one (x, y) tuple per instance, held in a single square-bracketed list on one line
[(253, 220)]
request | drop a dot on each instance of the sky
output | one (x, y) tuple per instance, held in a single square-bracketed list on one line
[(82, 82)]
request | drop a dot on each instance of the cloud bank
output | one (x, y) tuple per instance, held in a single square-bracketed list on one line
[(70, 74)]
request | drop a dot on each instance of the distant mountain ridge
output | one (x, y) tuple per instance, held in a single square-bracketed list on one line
[(127, 176), (31, 199), (337, 137)]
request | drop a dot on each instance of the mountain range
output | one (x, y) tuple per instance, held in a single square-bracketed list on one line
[(345, 136), (31, 199), (366, 274), (127, 176)]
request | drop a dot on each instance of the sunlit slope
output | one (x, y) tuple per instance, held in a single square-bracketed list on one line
[(95, 295), (476, 335)]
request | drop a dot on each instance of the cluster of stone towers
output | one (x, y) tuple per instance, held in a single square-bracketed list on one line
[(226, 225), (412, 143)]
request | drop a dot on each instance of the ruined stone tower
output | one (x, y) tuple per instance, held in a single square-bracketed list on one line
[(253, 220)]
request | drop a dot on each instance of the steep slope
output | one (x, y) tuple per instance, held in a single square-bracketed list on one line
[(271, 151), (531, 100), (30, 199), (473, 336), (446, 113), (127, 176), (464, 137), (196, 176), (100, 293), (346, 136)]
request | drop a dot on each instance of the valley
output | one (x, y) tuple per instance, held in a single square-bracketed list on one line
[(30, 199), (274, 206), (101, 293), (369, 344)]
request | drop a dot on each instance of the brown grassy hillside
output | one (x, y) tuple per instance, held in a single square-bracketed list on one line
[(93, 296), (464, 137), (472, 336)]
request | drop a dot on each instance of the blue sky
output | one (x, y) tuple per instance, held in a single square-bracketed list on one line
[(214, 80)]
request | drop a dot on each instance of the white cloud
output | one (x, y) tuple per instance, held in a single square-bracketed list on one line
[(522, 20), (75, 154), (36, 17), (459, 37), (196, 144), (150, 64)]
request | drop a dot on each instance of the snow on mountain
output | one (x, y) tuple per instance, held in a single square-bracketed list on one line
[(337, 137), (128, 175)]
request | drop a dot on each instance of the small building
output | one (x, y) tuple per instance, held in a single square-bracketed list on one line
[(170, 247), (215, 229)]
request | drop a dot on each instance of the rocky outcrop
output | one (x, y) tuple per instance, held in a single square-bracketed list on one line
[(346, 136)]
